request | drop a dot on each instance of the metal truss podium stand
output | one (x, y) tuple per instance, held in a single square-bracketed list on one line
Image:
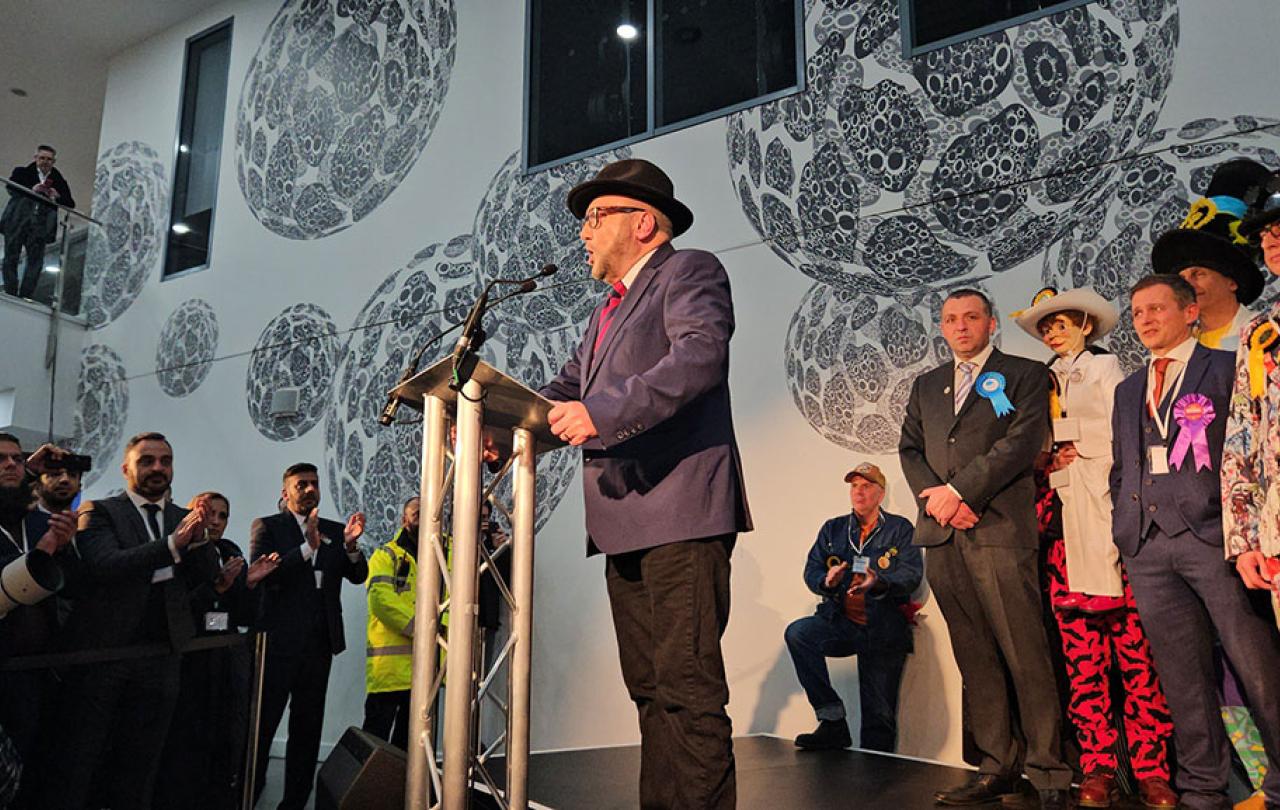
[(516, 417)]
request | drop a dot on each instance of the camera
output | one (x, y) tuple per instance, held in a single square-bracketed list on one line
[(71, 462)]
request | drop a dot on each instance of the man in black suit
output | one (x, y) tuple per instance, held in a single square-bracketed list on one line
[(33, 542), (302, 615), (29, 224), (133, 603), (972, 431)]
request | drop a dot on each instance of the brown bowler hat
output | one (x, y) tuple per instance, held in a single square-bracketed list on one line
[(639, 180)]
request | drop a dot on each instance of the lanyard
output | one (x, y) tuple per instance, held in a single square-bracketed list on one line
[(1170, 393), (22, 549), (853, 519)]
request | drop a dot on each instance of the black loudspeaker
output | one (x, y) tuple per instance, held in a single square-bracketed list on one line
[(362, 773)]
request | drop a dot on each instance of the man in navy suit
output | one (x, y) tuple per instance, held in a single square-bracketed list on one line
[(646, 396), (1168, 427), (29, 224), (302, 616)]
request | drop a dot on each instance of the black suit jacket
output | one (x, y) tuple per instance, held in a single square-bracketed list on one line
[(22, 206), (288, 595), (987, 459), (118, 558)]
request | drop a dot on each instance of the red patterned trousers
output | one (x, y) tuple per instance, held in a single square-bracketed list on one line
[(1094, 643)]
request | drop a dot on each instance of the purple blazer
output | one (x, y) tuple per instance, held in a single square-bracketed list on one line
[(665, 466)]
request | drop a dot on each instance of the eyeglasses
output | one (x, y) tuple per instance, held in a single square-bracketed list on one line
[(594, 215), (1272, 230)]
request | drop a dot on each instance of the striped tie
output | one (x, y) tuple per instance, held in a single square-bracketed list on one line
[(965, 384)]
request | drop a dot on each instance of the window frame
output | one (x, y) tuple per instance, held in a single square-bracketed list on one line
[(652, 91), (229, 26), (910, 49)]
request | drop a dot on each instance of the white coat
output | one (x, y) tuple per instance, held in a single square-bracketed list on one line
[(1087, 386)]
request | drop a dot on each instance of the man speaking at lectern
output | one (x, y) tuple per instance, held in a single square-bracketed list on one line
[(646, 396)]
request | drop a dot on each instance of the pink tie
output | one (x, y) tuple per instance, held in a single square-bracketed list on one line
[(606, 314)]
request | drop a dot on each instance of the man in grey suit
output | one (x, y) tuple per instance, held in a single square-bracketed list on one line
[(1168, 427), (134, 603), (646, 396), (972, 431)]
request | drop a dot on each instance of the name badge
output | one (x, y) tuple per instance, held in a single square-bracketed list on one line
[(1159, 459), (861, 565), (162, 574), (319, 577), (1059, 479), (1066, 430), (216, 621)]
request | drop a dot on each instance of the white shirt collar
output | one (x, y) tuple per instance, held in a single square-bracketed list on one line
[(979, 360), (630, 277), (139, 501), (1182, 352)]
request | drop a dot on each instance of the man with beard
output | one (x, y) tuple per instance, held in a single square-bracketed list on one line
[(57, 487), (134, 609), (302, 616), (33, 540)]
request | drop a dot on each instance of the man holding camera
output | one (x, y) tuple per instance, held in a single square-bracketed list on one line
[(32, 557)]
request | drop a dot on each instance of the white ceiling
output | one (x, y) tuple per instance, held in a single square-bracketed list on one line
[(57, 51)]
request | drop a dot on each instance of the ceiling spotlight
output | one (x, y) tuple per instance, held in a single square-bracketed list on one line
[(183, 148), (52, 268), (628, 31), (181, 228)]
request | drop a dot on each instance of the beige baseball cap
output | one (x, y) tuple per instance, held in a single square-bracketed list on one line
[(868, 471)]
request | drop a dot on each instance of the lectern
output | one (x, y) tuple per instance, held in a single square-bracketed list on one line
[(488, 401)]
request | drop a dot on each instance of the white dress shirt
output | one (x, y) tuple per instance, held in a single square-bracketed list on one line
[(1180, 355)]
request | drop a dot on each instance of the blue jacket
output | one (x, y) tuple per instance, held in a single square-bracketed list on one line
[(665, 467), (887, 625), (1184, 500)]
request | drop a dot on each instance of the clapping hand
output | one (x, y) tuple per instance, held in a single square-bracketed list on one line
[(192, 525), (227, 575), (834, 575), (353, 530), (261, 567), (61, 531), (311, 529)]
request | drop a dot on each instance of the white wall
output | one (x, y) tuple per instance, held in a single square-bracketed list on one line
[(1223, 68), (25, 380)]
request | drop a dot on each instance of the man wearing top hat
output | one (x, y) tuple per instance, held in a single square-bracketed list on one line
[(646, 397), (865, 568), (1168, 430), (1206, 250)]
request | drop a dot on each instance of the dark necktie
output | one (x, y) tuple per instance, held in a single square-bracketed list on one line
[(610, 307), (153, 522), (1161, 365)]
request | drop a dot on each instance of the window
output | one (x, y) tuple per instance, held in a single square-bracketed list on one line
[(928, 25), (195, 174), (601, 73)]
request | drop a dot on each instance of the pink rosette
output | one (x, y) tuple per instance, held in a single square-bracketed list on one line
[(1193, 413)]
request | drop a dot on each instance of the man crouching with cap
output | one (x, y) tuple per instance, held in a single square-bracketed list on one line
[(865, 568), (646, 397)]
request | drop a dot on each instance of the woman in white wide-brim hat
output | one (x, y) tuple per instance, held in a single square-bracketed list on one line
[(1094, 608)]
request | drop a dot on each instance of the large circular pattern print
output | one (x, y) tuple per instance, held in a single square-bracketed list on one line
[(188, 341), (338, 103), (102, 406), (888, 172), (851, 359), (1111, 248), (130, 198), (297, 349)]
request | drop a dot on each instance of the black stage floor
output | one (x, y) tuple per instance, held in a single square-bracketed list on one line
[(772, 773)]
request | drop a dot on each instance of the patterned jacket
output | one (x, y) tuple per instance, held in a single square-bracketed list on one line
[(1251, 455)]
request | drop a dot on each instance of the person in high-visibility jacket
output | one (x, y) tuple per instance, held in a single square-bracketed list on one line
[(393, 572)]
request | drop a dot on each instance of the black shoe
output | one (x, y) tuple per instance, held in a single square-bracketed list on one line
[(983, 788), (1054, 799), (829, 735)]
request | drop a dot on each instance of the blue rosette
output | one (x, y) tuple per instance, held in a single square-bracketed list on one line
[(990, 386)]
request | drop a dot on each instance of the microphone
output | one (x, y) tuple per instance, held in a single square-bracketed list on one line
[(526, 285)]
